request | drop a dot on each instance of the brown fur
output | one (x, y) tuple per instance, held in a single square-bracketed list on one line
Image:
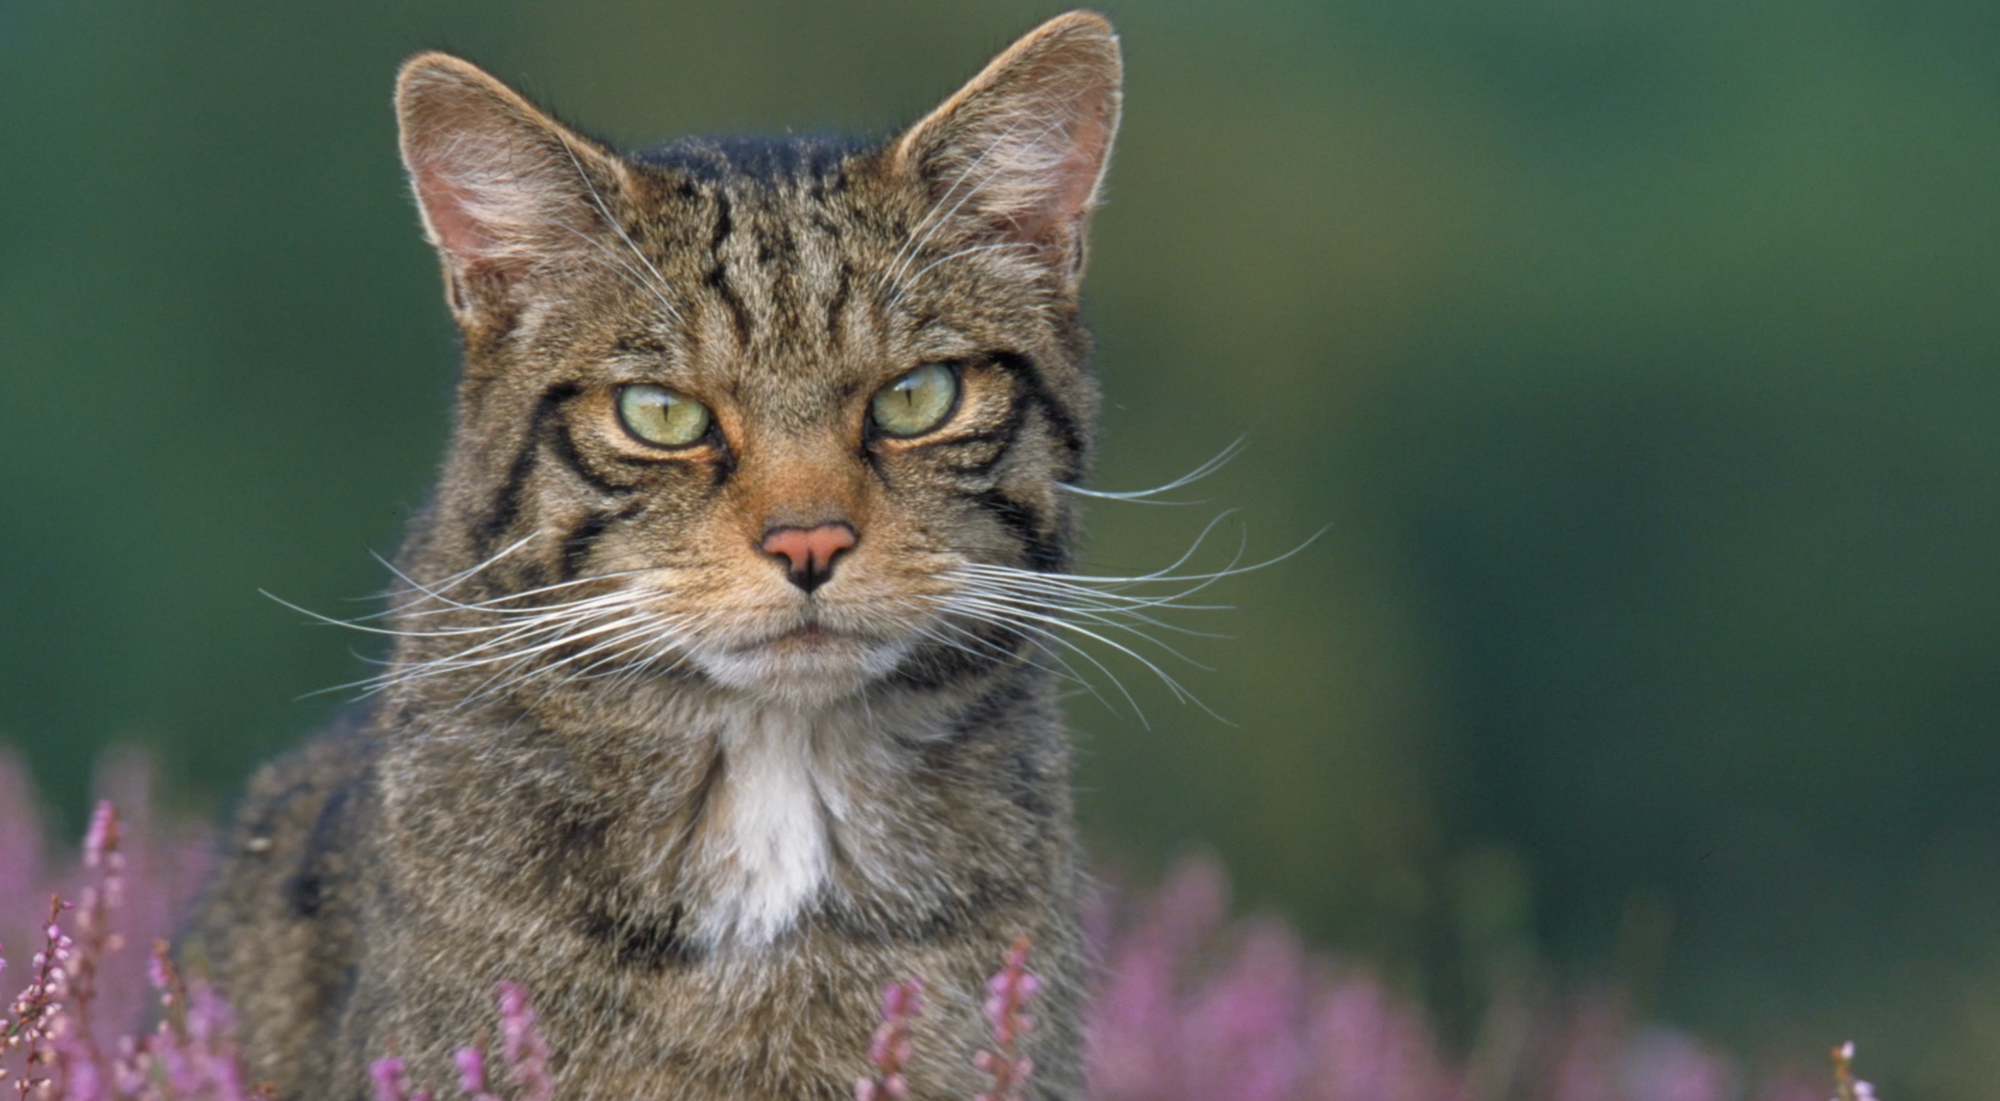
[(706, 828)]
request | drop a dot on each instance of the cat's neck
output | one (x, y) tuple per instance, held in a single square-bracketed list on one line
[(790, 786), (753, 817)]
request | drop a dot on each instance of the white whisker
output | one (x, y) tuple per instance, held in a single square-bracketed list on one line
[(1016, 612), (1055, 637), (504, 603), (660, 286), (510, 643), (1098, 607), (933, 221), (1002, 246), (627, 627), (461, 576), (993, 651), (1144, 496)]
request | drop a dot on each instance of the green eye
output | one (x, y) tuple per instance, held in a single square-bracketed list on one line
[(658, 416), (917, 402)]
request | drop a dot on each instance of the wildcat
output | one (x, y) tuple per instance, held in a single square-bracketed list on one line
[(715, 701)]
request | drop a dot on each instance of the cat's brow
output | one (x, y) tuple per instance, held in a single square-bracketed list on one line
[(659, 285)]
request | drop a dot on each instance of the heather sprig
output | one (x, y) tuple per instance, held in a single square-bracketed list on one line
[(82, 1058), (1846, 1086), (472, 1074), (1007, 995), (130, 882), (191, 1053), (890, 1049), (1193, 1006), (521, 1044), (387, 1077), (35, 1014), (523, 1053)]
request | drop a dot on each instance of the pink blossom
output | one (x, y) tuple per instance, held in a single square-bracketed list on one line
[(526, 1056), (1007, 995), (890, 1049), (1192, 1006)]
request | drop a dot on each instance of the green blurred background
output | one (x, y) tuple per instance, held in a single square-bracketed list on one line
[(1641, 355)]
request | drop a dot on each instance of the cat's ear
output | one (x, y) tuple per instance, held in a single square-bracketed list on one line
[(1019, 153), (506, 191)]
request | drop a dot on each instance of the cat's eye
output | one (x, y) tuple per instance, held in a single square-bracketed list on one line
[(661, 417), (917, 402)]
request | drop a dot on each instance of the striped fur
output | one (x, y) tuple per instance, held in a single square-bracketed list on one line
[(705, 815)]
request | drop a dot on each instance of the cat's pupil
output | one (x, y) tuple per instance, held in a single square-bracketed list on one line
[(916, 402), (657, 415)]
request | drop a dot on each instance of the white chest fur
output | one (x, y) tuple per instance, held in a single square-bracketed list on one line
[(766, 852)]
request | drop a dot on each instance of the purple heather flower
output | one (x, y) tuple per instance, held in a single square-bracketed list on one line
[(387, 1074), (526, 1056), (102, 836), (1241, 1036), (81, 1079), (1007, 995), (1132, 1034), (209, 1017), (891, 1048), (1192, 1007), (472, 1073), (1661, 1064)]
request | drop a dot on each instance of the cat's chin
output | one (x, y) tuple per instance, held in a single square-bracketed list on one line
[(809, 666)]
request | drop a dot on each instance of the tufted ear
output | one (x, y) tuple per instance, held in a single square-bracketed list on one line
[(1018, 155), (506, 191)]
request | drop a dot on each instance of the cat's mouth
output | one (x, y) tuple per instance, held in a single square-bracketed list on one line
[(813, 630), (808, 659), (810, 636), (811, 639)]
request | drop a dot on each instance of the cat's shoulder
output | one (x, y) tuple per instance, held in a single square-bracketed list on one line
[(303, 779), (294, 828)]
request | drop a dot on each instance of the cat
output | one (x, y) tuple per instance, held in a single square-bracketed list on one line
[(718, 696)]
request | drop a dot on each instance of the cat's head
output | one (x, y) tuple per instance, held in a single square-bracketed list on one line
[(759, 412)]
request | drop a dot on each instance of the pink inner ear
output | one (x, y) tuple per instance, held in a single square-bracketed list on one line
[(1062, 192), (447, 207), (1076, 176)]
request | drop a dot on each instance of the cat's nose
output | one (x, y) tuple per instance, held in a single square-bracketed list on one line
[(809, 552)]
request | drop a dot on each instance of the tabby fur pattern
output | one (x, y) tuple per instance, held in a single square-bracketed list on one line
[(618, 755)]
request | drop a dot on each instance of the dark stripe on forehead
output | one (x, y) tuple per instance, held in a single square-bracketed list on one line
[(716, 160), (641, 344), (725, 224), (506, 507), (718, 273), (784, 247), (843, 288)]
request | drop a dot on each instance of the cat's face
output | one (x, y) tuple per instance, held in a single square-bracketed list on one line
[(761, 413)]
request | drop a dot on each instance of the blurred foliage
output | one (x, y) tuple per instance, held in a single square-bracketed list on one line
[(1640, 355)]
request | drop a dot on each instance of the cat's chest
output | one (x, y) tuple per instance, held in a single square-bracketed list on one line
[(782, 804)]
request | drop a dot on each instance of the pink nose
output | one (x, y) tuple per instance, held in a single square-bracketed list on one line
[(809, 552)]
